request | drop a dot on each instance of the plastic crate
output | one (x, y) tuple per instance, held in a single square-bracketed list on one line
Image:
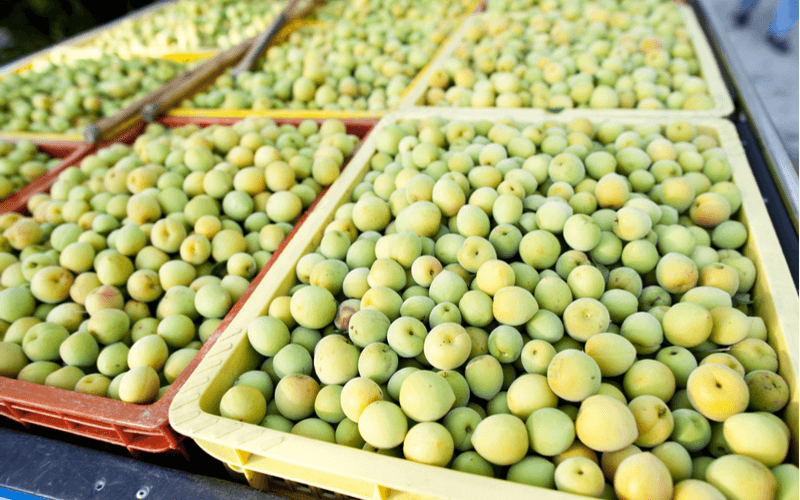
[(263, 454), (316, 113), (61, 54), (38, 138), (136, 427), (709, 70)]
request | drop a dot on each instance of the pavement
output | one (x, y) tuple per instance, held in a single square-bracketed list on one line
[(773, 75)]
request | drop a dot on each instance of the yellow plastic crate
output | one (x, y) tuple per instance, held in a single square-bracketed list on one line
[(26, 64), (61, 54), (709, 71), (316, 113), (262, 453)]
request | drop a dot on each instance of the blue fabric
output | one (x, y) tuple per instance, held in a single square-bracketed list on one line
[(16, 495), (785, 16)]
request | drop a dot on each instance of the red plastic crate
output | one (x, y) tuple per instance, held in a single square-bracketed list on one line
[(136, 427)]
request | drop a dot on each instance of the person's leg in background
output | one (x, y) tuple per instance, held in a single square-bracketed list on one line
[(742, 16), (784, 21)]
